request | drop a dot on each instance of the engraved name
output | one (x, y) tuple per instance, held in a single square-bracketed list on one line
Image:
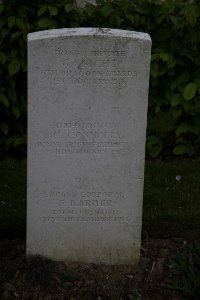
[(95, 52)]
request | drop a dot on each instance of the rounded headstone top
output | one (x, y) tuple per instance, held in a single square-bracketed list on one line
[(68, 32)]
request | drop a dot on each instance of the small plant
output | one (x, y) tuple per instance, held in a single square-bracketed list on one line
[(186, 271), (135, 295)]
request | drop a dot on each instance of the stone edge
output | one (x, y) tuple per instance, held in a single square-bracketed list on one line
[(106, 32)]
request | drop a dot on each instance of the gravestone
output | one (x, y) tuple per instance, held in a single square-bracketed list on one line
[(87, 115), (83, 2)]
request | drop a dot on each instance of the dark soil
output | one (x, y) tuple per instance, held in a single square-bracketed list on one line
[(28, 278)]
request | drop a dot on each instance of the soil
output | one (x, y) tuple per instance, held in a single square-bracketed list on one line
[(31, 278)]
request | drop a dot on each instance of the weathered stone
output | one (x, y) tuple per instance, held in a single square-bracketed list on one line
[(87, 109), (84, 2)]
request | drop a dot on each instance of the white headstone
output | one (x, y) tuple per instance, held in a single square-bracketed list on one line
[(87, 115), (83, 2)]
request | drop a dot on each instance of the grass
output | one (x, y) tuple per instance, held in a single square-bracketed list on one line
[(172, 191), (186, 272), (12, 196), (167, 198)]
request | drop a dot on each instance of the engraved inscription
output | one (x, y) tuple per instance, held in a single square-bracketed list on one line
[(94, 196), (90, 206), (84, 137), (96, 52), (86, 216), (103, 68)]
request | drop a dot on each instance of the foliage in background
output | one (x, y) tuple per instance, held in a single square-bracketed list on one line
[(17, 19), (174, 98), (186, 270)]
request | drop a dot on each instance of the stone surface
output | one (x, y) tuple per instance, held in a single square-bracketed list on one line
[(83, 2), (87, 109)]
